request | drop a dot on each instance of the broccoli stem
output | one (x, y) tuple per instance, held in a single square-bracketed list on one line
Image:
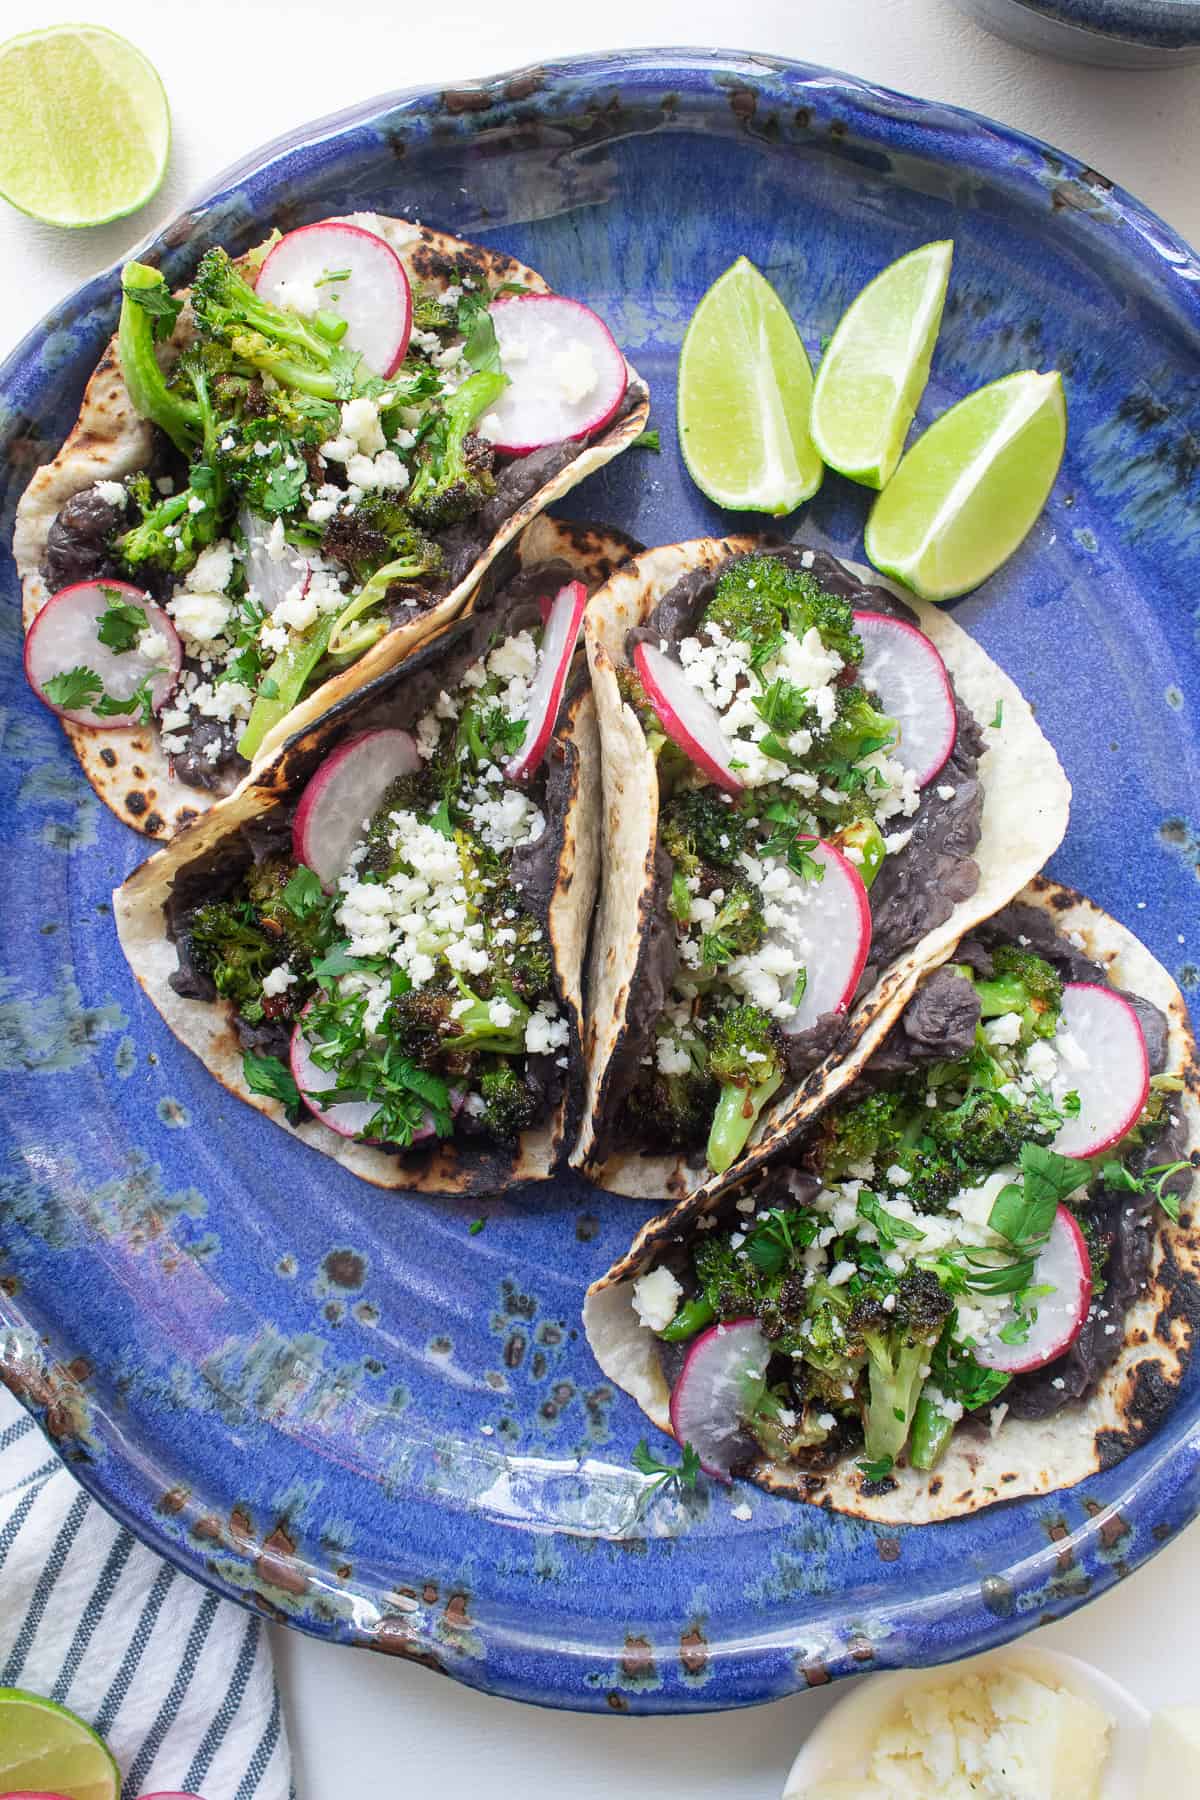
[(284, 683), (931, 1432), (1004, 994), (733, 1120), (692, 1317), (894, 1388), (182, 420), (372, 592)]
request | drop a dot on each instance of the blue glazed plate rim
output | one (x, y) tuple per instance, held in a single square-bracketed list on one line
[(1166, 25), (520, 1663)]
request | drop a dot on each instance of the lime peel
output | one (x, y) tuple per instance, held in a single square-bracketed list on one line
[(875, 368), (971, 488), (46, 1749), (745, 388)]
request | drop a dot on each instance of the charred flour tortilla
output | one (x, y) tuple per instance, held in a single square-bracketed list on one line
[(556, 875), (966, 856), (1110, 1391), (63, 522)]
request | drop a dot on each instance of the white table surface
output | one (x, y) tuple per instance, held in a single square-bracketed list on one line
[(237, 73)]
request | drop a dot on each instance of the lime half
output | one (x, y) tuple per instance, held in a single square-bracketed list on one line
[(745, 386), (46, 1749), (874, 371), (84, 126), (970, 489)]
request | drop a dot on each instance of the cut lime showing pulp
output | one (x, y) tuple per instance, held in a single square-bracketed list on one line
[(970, 489), (874, 371), (745, 387), (84, 126), (46, 1749)]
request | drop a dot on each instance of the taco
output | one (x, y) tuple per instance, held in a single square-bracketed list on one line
[(976, 1274), (285, 478), (812, 789), (379, 940)]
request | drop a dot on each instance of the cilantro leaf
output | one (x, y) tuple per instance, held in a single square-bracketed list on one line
[(481, 349), (158, 301), (141, 702), (303, 893), (266, 1075), (880, 1468), (890, 1228), (73, 689), (646, 440), (120, 625), (681, 1474)]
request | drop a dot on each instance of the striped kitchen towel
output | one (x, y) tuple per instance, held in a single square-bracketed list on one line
[(178, 1683)]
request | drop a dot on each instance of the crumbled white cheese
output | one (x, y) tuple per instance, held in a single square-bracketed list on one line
[(1004, 1030), (279, 980), (656, 1298), (545, 1031), (201, 617), (113, 493)]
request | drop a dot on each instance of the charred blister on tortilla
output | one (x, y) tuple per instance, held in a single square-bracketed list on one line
[(335, 445), (927, 1250), (796, 739)]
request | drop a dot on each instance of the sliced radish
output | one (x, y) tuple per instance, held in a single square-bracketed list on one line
[(559, 638), (830, 920), (1065, 1266), (270, 579), (903, 669), (1102, 1058), (349, 1118), (719, 1385), (687, 718), (374, 297), (63, 637), (566, 375), (342, 797)]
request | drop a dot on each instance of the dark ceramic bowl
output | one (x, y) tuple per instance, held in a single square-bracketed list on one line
[(1117, 34), (338, 1404)]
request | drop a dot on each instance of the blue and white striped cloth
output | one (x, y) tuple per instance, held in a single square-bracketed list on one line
[(178, 1683)]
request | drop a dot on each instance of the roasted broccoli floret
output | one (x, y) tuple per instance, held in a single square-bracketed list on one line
[(870, 1130), (737, 929), (987, 1128), (454, 473), (525, 954), (758, 597), (230, 944), (379, 532), (510, 1105), (745, 1057), (672, 1111), (859, 727), (697, 826), (291, 906), (899, 1340), (173, 530), (433, 1025), (1023, 983), (148, 315), (431, 313)]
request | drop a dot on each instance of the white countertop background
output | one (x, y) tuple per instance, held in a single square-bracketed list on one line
[(238, 72)]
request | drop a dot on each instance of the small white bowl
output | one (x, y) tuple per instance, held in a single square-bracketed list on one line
[(842, 1740)]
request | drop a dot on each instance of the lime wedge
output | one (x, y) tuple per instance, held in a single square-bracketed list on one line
[(969, 490), (84, 126), (874, 371), (745, 387), (46, 1749)]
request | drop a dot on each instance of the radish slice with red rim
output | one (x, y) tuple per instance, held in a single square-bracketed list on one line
[(349, 1118), (566, 375), (834, 919), (342, 796), (720, 1383), (1054, 1319), (64, 637), (351, 274), (905, 673), (559, 638), (687, 717), (1102, 1057)]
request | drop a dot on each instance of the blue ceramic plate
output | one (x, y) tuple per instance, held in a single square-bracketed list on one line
[(340, 1405), (1130, 34)]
